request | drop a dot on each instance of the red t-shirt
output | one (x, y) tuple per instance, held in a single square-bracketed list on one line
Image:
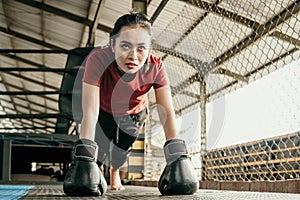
[(118, 96)]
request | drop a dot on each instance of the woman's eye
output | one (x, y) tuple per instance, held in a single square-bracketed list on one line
[(141, 48), (125, 46)]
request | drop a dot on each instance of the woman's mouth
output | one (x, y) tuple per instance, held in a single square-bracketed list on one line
[(131, 65)]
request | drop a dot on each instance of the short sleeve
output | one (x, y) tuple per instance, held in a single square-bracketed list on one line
[(94, 68), (161, 78)]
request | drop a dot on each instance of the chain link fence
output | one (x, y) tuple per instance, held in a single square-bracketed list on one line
[(275, 158), (226, 45)]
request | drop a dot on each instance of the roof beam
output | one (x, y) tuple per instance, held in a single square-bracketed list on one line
[(190, 94), (28, 38), (224, 13), (190, 29), (40, 93), (197, 76), (287, 38), (25, 128), (64, 14), (254, 71), (93, 27), (160, 8), (43, 33), (36, 116), (19, 88), (179, 111), (40, 51), (197, 64), (27, 93), (24, 78), (35, 110), (50, 51), (186, 33), (231, 74), (29, 103), (84, 27), (29, 62), (44, 69), (260, 31), (7, 25), (140, 5), (188, 81), (288, 53), (31, 122)]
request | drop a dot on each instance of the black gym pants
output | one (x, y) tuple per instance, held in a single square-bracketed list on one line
[(122, 131)]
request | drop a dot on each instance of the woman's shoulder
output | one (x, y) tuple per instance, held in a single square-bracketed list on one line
[(102, 52), (154, 59)]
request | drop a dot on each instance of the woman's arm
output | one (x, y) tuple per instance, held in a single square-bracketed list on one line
[(90, 109), (166, 111)]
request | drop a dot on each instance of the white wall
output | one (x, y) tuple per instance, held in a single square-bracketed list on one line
[(265, 108)]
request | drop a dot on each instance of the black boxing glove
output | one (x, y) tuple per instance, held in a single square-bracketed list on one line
[(84, 177), (179, 176)]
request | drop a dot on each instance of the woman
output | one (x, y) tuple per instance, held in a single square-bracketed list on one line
[(114, 101)]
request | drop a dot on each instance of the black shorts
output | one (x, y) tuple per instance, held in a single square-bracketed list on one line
[(122, 130)]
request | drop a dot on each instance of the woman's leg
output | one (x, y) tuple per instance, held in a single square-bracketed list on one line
[(105, 132), (127, 133), (120, 153)]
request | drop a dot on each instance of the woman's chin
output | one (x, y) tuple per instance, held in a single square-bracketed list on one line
[(133, 70), (129, 70)]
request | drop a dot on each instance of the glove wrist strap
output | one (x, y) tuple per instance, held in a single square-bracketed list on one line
[(85, 149), (174, 149)]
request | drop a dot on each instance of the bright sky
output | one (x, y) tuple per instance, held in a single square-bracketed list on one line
[(265, 108)]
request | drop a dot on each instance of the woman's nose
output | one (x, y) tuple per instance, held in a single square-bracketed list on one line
[(133, 54)]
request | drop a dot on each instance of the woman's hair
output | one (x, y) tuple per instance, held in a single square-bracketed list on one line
[(131, 19)]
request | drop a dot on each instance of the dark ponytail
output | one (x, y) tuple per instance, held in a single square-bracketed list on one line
[(131, 19)]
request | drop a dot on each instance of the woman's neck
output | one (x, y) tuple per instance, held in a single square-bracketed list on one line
[(127, 77)]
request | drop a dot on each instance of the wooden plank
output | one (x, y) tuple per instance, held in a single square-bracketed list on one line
[(138, 145), (133, 176), (136, 160)]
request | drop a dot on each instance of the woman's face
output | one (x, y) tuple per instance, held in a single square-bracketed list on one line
[(131, 48)]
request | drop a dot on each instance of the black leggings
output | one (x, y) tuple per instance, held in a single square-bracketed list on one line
[(122, 131)]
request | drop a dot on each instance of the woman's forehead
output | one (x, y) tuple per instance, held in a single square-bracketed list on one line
[(134, 34)]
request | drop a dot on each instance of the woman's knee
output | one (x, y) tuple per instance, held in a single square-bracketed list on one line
[(119, 156)]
